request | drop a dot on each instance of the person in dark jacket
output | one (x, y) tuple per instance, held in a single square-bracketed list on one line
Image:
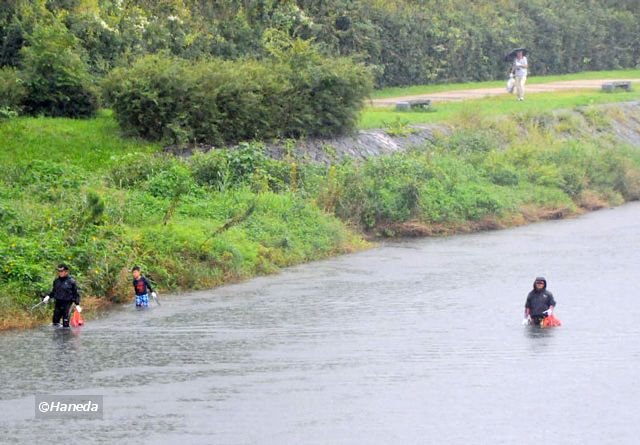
[(539, 304), (65, 292), (141, 287)]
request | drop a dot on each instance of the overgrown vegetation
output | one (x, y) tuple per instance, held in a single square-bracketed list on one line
[(102, 203), (299, 93)]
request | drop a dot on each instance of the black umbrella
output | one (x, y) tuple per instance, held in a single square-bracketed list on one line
[(512, 55)]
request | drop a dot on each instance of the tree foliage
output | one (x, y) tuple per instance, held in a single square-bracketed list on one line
[(405, 41), (60, 47), (56, 78)]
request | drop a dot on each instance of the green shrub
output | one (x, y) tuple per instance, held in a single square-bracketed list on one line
[(171, 183), (220, 102), (12, 90), (230, 167), (148, 98), (164, 98), (469, 142), (211, 169), (327, 94), (7, 113), (44, 177), (134, 168), (502, 173), (250, 100), (57, 80)]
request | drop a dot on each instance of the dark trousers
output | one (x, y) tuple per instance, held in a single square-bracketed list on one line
[(537, 319), (62, 310)]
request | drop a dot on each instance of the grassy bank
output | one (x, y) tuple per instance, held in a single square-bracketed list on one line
[(505, 105), (76, 191)]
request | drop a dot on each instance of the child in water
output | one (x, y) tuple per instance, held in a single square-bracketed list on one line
[(142, 287)]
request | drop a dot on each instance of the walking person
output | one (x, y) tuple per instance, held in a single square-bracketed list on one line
[(540, 303), (520, 69), (142, 287), (65, 292)]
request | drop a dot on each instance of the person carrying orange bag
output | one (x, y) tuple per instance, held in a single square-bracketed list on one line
[(539, 305), (65, 293)]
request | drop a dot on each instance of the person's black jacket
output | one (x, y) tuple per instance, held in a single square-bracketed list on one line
[(539, 301), (65, 289)]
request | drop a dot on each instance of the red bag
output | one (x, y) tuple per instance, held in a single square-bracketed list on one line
[(551, 321), (76, 319)]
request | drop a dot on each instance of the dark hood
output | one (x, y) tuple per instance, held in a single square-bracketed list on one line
[(540, 279)]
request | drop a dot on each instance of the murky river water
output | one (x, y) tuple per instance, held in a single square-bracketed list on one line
[(414, 342)]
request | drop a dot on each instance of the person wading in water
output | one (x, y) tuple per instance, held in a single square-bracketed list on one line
[(65, 292), (539, 304)]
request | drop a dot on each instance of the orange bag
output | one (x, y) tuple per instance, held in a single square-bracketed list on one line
[(551, 321), (76, 319)]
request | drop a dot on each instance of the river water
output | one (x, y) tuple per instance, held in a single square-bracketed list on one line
[(414, 342)]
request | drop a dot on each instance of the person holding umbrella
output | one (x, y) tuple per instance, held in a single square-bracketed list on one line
[(520, 67)]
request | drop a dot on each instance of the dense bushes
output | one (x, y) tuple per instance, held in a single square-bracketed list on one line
[(56, 79), (406, 42), (218, 102), (178, 101), (418, 187), (52, 79)]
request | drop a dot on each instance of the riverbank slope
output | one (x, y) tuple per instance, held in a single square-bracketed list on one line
[(76, 191)]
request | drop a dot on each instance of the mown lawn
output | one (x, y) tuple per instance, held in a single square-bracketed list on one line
[(388, 117)]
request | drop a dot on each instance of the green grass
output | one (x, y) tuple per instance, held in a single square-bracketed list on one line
[(385, 93), (90, 144), (384, 117), (78, 191)]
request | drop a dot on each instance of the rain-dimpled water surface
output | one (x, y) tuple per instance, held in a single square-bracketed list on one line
[(414, 342)]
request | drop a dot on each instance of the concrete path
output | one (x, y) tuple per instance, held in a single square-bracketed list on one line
[(447, 96)]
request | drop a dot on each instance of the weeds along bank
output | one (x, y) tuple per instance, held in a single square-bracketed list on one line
[(75, 191)]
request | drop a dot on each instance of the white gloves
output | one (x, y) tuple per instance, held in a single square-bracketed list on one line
[(549, 311), (78, 308), (45, 300), (154, 295), (526, 321)]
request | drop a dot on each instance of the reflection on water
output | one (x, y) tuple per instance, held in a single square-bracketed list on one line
[(540, 339), (66, 339), (414, 342)]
